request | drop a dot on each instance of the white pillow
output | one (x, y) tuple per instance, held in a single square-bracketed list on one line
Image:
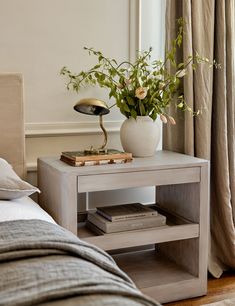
[(22, 209), (11, 185)]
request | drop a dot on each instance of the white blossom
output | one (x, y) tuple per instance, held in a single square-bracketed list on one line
[(141, 92)]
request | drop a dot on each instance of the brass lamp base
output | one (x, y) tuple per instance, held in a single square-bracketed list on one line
[(93, 151)]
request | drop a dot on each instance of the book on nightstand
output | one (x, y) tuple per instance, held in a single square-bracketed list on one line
[(81, 158), (101, 225), (126, 212)]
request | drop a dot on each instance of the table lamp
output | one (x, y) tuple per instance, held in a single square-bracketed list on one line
[(95, 107)]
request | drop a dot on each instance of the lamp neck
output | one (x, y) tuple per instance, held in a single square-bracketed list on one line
[(104, 131)]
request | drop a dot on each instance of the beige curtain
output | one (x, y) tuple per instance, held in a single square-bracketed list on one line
[(210, 31)]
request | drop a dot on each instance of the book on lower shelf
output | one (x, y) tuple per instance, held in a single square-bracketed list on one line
[(101, 225), (126, 211)]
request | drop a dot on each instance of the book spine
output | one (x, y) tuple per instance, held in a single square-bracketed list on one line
[(70, 161), (97, 157), (94, 228), (101, 225), (126, 217), (67, 160), (115, 227)]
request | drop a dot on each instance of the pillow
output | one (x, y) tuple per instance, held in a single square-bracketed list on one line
[(11, 185)]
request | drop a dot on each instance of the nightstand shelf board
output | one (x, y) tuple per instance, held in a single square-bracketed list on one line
[(183, 229), (140, 237), (156, 275)]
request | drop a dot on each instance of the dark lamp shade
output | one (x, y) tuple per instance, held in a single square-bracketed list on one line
[(92, 107)]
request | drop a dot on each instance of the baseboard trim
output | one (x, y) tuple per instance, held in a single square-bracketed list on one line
[(31, 167)]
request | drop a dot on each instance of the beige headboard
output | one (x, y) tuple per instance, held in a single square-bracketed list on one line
[(12, 140)]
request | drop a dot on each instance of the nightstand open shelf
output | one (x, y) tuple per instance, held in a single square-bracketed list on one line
[(156, 275), (178, 269), (183, 229)]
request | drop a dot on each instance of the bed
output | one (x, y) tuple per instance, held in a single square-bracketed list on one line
[(42, 263)]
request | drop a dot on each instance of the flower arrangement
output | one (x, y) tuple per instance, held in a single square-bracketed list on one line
[(142, 88)]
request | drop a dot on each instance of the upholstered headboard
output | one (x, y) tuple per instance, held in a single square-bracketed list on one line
[(12, 140)]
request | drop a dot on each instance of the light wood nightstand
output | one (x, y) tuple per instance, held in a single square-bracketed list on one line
[(178, 267)]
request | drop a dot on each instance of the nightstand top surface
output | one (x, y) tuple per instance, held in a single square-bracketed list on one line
[(161, 160)]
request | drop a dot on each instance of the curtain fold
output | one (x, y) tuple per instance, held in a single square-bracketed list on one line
[(209, 31)]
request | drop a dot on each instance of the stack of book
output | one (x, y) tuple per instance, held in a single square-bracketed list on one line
[(82, 158), (127, 217)]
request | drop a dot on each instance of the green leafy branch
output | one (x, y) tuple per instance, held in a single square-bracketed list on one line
[(142, 88)]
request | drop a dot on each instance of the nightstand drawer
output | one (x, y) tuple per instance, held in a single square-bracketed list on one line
[(99, 182)]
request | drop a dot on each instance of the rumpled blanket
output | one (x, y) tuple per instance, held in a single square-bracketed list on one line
[(44, 264)]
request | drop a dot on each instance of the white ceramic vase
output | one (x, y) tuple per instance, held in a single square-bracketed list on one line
[(140, 136)]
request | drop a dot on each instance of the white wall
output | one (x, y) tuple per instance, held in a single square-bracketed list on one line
[(38, 37), (152, 34), (153, 27)]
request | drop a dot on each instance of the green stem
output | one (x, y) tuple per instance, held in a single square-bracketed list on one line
[(112, 105), (178, 72), (94, 71), (125, 62), (107, 60), (154, 95), (140, 108)]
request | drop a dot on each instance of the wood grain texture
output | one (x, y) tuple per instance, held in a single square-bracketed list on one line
[(157, 276), (142, 178), (182, 199), (218, 290), (161, 160), (180, 268), (183, 252), (204, 224), (190, 201), (185, 200), (58, 195), (144, 237)]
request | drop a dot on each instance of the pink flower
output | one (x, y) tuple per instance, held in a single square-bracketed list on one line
[(181, 73), (163, 118), (172, 120), (120, 86), (161, 85), (127, 82), (141, 92)]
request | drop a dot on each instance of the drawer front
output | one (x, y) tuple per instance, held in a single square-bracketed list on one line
[(113, 181)]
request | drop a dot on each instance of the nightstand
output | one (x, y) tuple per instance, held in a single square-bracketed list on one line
[(177, 269)]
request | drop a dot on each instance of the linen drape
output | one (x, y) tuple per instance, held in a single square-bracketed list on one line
[(209, 30)]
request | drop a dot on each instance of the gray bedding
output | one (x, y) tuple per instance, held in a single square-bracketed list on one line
[(44, 264)]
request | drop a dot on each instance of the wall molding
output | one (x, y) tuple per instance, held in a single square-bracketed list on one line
[(134, 28), (53, 129), (47, 138), (69, 128)]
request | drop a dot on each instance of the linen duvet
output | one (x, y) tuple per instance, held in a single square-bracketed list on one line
[(42, 263)]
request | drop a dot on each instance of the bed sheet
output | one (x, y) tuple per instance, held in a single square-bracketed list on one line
[(22, 209)]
